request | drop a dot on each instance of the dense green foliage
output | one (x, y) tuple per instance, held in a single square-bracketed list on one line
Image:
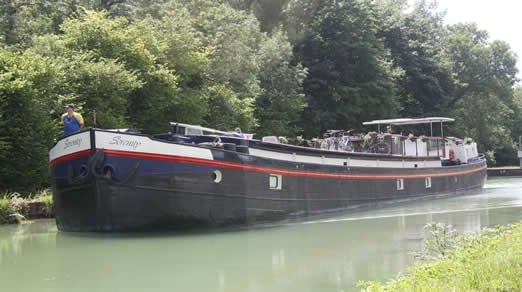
[(483, 95), (7, 211), (27, 83), (278, 67), (489, 261), (350, 78), (15, 209), (426, 85)]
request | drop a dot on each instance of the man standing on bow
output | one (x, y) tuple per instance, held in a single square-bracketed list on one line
[(72, 121)]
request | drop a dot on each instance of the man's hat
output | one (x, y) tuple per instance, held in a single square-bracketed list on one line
[(70, 106)]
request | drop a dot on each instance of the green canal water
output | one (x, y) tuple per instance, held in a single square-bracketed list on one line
[(321, 254)]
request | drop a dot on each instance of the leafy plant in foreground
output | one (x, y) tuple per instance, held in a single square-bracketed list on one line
[(442, 240), (8, 212)]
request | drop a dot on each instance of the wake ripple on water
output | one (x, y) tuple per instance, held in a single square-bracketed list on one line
[(498, 193)]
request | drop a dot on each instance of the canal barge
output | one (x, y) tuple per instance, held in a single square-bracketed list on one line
[(120, 180)]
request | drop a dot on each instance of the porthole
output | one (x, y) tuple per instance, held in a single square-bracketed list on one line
[(84, 170), (217, 176), (108, 171)]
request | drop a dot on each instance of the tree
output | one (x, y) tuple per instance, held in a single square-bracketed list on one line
[(414, 40), (279, 107), (131, 9), (26, 131), (351, 78), (516, 129), (241, 61), (270, 13), (234, 38), (299, 16), (21, 20), (484, 75), (127, 71)]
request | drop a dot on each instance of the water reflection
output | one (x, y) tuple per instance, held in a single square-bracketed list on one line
[(324, 254)]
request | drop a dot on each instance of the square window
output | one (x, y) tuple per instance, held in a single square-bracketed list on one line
[(427, 182), (275, 181), (400, 184)]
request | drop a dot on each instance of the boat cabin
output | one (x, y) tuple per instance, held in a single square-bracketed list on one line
[(450, 150)]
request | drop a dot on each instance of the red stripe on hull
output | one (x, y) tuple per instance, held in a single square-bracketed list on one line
[(68, 157), (270, 170)]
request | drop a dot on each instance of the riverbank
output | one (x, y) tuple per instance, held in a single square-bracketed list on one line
[(491, 260), (505, 171), (15, 209)]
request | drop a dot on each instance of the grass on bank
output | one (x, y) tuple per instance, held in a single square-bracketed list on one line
[(489, 261), (14, 208)]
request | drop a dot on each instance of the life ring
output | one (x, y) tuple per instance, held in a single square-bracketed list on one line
[(452, 155)]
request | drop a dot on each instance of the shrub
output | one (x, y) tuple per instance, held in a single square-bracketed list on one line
[(489, 261), (8, 212), (506, 154), (46, 198), (441, 242), (490, 158)]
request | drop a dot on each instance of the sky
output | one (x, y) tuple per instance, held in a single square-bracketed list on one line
[(502, 19)]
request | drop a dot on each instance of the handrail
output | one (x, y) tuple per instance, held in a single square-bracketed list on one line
[(197, 127)]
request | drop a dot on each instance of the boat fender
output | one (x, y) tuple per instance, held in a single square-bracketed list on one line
[(451, 155), (95, 163), (70, 174)]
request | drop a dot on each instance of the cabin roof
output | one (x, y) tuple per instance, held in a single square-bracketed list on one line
[(407, 121)]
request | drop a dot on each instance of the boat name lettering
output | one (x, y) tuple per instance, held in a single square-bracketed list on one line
[(119, 141), (70, 143)]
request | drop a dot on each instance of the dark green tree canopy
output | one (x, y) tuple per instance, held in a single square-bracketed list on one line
[(351, 78), (271, 67), (415, 42)]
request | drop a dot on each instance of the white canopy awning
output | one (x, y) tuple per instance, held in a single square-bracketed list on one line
[(407, 121)]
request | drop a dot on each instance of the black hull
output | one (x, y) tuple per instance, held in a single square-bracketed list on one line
[(118, 184), (185, 201)]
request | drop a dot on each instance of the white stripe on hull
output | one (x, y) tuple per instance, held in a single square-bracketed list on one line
[(143, 144), (350, 161), (71, 144)]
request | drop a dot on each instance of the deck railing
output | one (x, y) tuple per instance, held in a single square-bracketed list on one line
[(390, 144)]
